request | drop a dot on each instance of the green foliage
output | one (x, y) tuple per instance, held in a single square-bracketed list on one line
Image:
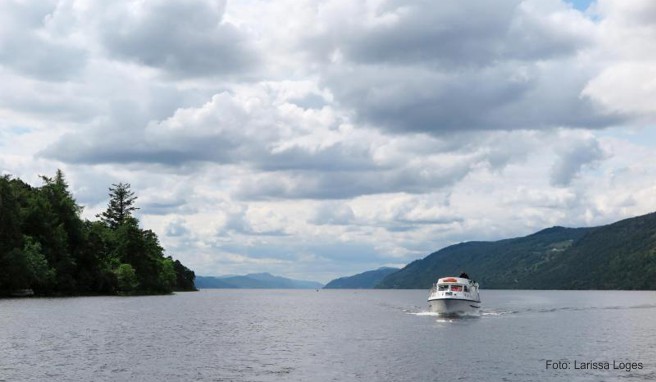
[(621, 255), (509, 263), (40, 275), (47, 247), (184, 277), (127, 278), (167, 275), (617, 256), (10, 235), (121, 205), (11, 264)]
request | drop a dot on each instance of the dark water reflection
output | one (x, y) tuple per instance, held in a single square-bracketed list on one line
[(331, 335)]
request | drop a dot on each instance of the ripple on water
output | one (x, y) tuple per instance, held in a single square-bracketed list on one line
[(237, 335)]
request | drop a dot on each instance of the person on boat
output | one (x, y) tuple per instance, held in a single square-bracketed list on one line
[(463, 275)]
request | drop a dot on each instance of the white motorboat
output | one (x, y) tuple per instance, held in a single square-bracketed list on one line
[(455, 296)]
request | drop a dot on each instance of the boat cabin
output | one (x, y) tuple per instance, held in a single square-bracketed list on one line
[(452, 288), (454, 295), (455, 287)]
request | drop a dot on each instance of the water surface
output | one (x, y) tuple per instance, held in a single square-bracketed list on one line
[(330, 335)]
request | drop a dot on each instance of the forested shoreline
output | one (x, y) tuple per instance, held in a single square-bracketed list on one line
[(46, 247), (616, 256)]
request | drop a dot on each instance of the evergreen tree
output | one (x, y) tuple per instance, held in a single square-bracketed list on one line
[(12, 269), (10, 234), (62, 234), (47, 247), (184, 277), (121, 205), (96, 265)]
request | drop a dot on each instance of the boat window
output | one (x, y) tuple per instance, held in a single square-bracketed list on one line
[(456, 288), (442, 287), (466, 289)]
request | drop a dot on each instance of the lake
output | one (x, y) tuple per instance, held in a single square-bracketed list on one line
[(330, 335)]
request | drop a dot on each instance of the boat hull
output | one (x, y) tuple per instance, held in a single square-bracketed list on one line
[(454, 306)]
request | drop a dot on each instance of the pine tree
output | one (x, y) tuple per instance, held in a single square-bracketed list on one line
[(61, 232), (11, 267), (121, 205)]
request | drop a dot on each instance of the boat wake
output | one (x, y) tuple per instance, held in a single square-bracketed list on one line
[(433, 314), (507, 312), (482, 313), (585, 308), (494, 313), (445, 317), (491, 313)]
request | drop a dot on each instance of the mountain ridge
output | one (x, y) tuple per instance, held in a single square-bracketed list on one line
[(364, 280), (254, 281), (620, 255)]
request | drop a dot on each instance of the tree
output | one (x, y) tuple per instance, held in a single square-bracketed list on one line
[(96, 264), (39, 272), (62, 236), (10, 234), (127, 278), (46, 246), (121, 205), (167, 276), (184, 277), (141, 249)]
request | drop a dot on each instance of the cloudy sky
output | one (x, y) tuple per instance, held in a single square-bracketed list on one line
[(316, 139)]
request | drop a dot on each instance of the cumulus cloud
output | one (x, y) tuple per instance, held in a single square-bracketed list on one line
[(573, 158), (186, 39), (317, 139), (228, 128), (333, 213), (627, 43), (449, 33), (296, 152), (340, 185), (240, 223), (449, 67), (627, 88), (31, 47), (177, 227)]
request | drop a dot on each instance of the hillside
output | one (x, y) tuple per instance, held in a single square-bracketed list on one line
[(621, 255), (365, 280), (205, 282), (254, 281)]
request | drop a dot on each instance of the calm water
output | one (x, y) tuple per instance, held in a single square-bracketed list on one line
[(249, 335)]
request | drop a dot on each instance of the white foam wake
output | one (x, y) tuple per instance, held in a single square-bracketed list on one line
[(434, 314)]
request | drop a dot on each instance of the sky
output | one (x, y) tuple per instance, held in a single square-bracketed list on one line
[(318, 139)]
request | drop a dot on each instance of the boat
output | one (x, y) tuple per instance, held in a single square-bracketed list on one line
[(455, 296)]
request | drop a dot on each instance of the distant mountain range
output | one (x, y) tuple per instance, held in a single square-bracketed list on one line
[(254, 281), (621, 255), (365, 280)]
